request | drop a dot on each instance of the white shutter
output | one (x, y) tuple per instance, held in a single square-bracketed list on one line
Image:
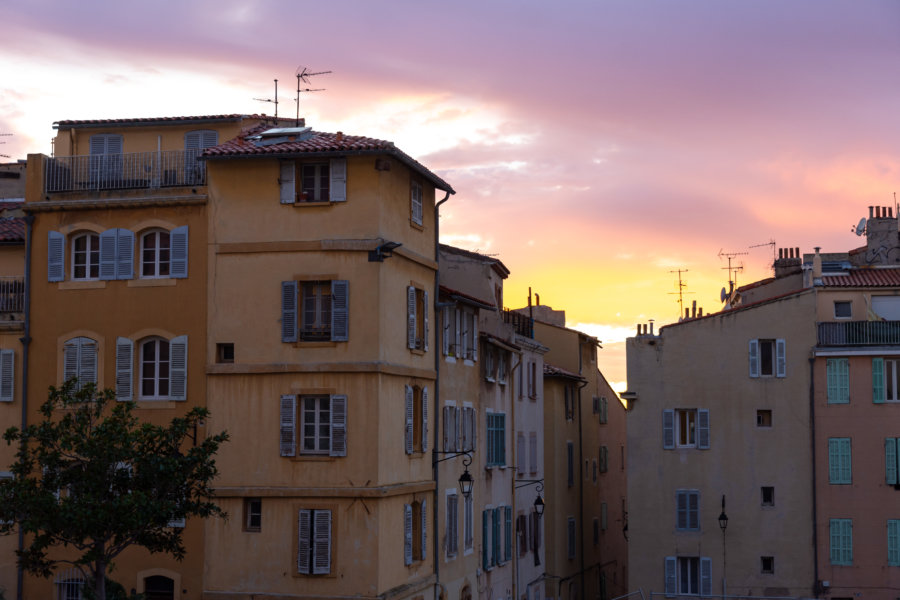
[(705, 576), (447, 437), (474, 332), (668, 429), (703, 429), (425, 320), (304, 541), (671, 570), (108, 241), (87, 362), (7, 374), (340, 310), (338, 191), (286, 182), (456, 428), (56, 256), (408, 432), (178, 368), (70, 359), (287, 426), (338, 425), (288, 311), (407, 534), (124, 254), (780, 359), (178, 252), (424, 419), (124, 368), (321, 542), (411, 317), (754, 358)]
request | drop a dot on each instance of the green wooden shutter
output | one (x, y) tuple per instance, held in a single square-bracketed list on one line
[(890, 461), (878, 380), (838, 379), (893, 535), (846, 463)]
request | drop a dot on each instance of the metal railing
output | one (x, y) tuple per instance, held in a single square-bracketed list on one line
[(522, 324), (133, 170), (859, 333), (12, 295)]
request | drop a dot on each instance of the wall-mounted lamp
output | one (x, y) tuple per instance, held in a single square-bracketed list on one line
[(539, 505), (723, 518), (466, 481), (383, 251)]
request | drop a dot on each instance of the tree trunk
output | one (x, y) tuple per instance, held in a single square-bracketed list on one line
[(100, 579)]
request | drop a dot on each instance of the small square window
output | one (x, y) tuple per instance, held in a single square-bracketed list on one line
[(767, 564), (843, 309), (225, 353), (252, 514), (764, 418), (768, 495)]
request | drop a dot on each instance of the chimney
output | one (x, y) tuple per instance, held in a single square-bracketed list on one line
[(694, 309), (651, 326), (817, 267), (340, 137), (788, 262)]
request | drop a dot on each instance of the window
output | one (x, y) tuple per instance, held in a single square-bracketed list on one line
[(893, 542), (570, 538), (688, 510), (840, 533), (768, 495), (843, 309), (155, 254), (891, 461), (417, 319), (323, 425), (324, 181), (460, 332), (451, 429), (604, 459), (416, 432), (767, 358), (502, 361), (570, 394), (604, 410), (252, 514), (107, 257), (688, 576), (595, 405), (764, 418), (490, 356), (452, 523), (415, 201), (570, 463), (414, 531), (324, 311), (225, 352), (884, 380), (162, 369), (496, 525), (314, 542), (85, 257), (837, 372), (521, 459), (496, 439), (686, 428), (155, 372), (69, 584), (488, 537), (468, 523), (80, 360), (767, 565), (839, 463)]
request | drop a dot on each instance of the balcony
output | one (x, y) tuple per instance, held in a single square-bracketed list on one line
[(859, 333), (522, 324), (133, 170), (12, 295)]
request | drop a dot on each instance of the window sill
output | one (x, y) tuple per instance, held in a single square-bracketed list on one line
[(450, 359), (468, 362), (314, 458), (304, 344), (415, 225), (158, 404), (156, 282), (305, 203), (82, 285), (417, 351)]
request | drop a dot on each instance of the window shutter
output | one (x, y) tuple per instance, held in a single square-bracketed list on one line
[(893, 535), (288, 311), (70, 359), (703, 429), (445, 330), (304, 542), (847, 541), (834, 460), (671, 571), (338, 191), (108, 241), (7, 374), (507, 539), (878, 395), (520, 453), (456, 427), (124, 366), (408, 433), (425, 306), (846, 472), (288, 426), (780, 358), (56, 256), (681, 519), (890, 461), (495, 536), (338, 425), (340, 310), (693, 510), (485, 555), (124, 254), (424, 419), (411, 317), (178, 252), (178, 368), (322, 541), (754, 358), (424, 528), (603, 410), (705, 576), (208, 138), (447, 410), (474, 333), (407, 534), (87, 362), (286, 192), (668, 429)]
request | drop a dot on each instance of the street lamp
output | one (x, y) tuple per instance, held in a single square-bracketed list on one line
[(723, 524), (539, 505), (466, 481)]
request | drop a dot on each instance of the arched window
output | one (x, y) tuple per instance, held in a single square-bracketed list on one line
[(159, 587), (154, 369), (86, 256), (155, 248), (80, 360)]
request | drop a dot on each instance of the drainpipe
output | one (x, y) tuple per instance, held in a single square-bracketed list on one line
[(437, 395), (812, 439), (26, 341), (581, 522), (515, 504)]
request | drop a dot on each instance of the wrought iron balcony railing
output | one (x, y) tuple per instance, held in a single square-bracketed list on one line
[(134, 170), (522, 324), (12, 294), (859, 333)]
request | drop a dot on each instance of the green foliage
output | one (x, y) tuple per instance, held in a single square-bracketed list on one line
[(90, 476)]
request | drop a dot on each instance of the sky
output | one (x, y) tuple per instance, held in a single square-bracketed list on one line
[(596, 146)]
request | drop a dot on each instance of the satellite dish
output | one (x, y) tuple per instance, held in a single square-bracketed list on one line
[(861, 227), (723, 295)]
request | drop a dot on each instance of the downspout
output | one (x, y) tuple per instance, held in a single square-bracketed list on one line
[(515, 505), (812, 438), (437, 393), (581, 478), (26, 342)]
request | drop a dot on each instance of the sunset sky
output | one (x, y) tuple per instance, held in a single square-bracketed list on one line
[(595, 146)]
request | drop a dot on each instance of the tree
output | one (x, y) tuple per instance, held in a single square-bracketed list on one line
[(91, 477)]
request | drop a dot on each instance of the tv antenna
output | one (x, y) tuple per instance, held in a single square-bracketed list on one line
[(732, 270), (303, 74), (4, 134), (681, 285), (275, 101), (771, 242)]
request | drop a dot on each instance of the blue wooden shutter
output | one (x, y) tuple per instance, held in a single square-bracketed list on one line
[(7, 374), (846, 466), (754, 358), (834, 460), (287, 437), (424, 528), (286, 188), (56, 256), (304, 542), (288, 311), (878, 395), (671, 576), (338, 425), (87, 362), (321, 542), (340, 310), (425, 419), (178, 368), (411, 317), (495, 536), (124, 254), (124, 368), (407, 534), (890, 461), (705, 576), (108, 240), (693, 510), (780, 358), (71, 350), (668, 426), (703, 429), (408, 429), (178, 252), (338, 191), (681, 510)]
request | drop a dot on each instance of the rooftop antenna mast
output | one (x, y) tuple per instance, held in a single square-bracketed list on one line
[(303, 74), (732, 271), (275, 101), (681, 285), (769, 243), (7, 155)]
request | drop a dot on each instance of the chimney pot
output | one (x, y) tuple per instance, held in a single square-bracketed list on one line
[(651, 327), (797, 252), (780, 253), (687, 313), (877, 212), (693, 309), (870, 212), (700, 312)]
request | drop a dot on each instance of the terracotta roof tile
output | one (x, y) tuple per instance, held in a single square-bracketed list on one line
[(152, 120), (864, 278), (12, 229), (554, 371), (463, 296)]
